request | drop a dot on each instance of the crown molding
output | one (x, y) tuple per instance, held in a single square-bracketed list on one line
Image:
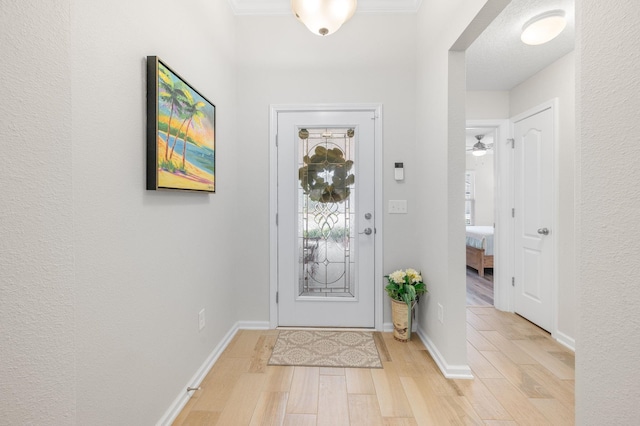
[(283, 7)]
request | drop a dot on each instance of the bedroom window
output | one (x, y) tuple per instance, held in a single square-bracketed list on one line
[(469, 197)]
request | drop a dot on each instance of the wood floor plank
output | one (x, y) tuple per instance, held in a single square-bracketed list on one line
[(381, 345), (516, 375), (465, 412), (217, 386), (364, 410), (507, 347), (243, 399), (270, 409), (550, 362), (333, 405), (477, 322), (480, 310), (480, 366), (185, 411), (483, 401), (300, 420), (554, 411), (478, 341), (303, 396), (399, 421), (331, 371), (431, 408), (278, 378), (261, 353), (391, 396), (562, 390), (359, 381), (243, 344), (199, 418), (420, 410), (518, 405)]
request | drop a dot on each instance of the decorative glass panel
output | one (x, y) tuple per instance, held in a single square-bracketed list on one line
[(326, 187)]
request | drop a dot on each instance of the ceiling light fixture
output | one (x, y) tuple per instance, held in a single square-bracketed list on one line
[(323, 17), (479, 149), (543, 28)]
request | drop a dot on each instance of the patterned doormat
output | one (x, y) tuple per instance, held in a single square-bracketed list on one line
[(313, 348)]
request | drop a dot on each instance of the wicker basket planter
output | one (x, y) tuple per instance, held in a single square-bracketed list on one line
[(401, 317)]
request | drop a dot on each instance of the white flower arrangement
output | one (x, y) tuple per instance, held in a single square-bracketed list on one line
[(405, 286)]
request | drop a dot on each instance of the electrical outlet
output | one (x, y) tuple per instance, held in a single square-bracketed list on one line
[(397, 206), (440, 314), (201, 319)]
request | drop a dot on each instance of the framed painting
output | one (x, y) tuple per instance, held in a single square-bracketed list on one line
[(181, 132)]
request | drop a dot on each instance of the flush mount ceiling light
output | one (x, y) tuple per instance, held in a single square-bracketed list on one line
[(323, 17), (543, 28)]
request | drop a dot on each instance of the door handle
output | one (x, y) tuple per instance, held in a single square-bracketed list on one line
[(367, 231), (543, 231)]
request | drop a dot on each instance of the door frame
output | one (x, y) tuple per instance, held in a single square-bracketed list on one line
[(553, 105), (275, 109), (503, 201)]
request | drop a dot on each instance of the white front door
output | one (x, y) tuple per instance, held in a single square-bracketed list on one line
[(326, 217), (534, 177)]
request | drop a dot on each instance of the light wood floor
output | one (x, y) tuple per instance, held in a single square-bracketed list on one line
[(522, 377), (479, 289)]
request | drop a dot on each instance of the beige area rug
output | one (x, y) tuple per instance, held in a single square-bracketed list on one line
[(314, 348)]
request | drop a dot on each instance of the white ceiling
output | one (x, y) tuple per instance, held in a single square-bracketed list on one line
[(281, 7), (497, 60)]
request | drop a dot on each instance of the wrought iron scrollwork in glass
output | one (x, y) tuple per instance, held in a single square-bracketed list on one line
[(326, 212)]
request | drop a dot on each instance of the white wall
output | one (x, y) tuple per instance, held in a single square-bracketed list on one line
[(558, 81), (441, 117), (608, 235), (484, 187), (146, 262), (37, 338), (371, 59), (102, 280), (487, 104)]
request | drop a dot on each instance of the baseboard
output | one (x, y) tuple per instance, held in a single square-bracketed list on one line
[(182, 399), (253, 325), (449, 371), (565, 340)]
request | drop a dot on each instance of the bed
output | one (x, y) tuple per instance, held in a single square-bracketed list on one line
[(480, 248)]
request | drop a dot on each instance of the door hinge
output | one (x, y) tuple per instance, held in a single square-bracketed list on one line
[(513, 212), (513, 281), (276, 140), (513, 142), (276, 219), (277, 293)]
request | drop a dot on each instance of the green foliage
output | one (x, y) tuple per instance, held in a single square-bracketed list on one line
[(168, 166), (335, 233), (326, 163), (405, 286)]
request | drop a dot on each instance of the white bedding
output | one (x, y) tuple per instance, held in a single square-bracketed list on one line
[(481, 237)]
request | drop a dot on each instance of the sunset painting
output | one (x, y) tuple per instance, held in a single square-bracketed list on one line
[(180, 132)]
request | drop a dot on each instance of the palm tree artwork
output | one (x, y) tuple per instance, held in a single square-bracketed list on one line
[(185, 122)]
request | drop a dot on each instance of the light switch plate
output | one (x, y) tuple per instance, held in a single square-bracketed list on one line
[(397, 206)]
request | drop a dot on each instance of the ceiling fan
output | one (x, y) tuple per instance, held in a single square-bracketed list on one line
[(480, 148)]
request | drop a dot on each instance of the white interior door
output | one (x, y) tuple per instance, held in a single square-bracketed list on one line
[(534, 177), (325, 210)]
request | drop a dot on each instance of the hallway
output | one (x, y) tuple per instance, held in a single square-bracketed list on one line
[(522, 377)]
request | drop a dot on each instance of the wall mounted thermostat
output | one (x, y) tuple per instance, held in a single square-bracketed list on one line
[(399, 171)]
